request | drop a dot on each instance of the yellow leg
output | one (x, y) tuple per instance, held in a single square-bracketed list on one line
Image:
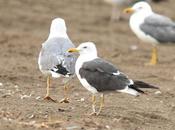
[(65, 99), (101, 103), (47, 90), (154, 57), (48, 86), (93, 105)]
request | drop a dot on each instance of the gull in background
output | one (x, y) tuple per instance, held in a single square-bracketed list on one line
[(151, 27), (54, 60)]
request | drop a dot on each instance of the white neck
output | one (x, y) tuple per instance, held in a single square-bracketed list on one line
[(83, 58), (58, 30), (57, 34), (139, 17), (87, 57)]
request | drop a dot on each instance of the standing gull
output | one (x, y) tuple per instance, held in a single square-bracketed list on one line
[(98, 75), (54, 60), (151, 27)]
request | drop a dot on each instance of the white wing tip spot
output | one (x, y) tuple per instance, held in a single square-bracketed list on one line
[(117, 73)]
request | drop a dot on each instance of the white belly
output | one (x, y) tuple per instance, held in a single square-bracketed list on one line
[(134, 24)]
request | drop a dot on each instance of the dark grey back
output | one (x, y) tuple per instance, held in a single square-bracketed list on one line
[(99, 74)]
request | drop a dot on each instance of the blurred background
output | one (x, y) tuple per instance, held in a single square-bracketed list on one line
[(24, 25)]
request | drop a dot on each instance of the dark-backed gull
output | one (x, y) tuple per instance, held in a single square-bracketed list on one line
[(98, 75)]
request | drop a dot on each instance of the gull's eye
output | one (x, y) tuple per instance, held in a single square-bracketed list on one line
[(85, 47)]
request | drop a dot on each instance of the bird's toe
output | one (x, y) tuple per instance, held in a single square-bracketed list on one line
[(65, 100), (49, 99)]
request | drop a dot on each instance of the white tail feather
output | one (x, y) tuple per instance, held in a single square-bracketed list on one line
[(129, 91), (55, 75)]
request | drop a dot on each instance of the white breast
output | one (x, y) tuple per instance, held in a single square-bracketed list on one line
[(135, 21), (84, 82)]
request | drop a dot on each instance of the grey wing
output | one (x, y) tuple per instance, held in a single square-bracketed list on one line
[(103, 75), (69, 62), (54, 54), (160, 27)]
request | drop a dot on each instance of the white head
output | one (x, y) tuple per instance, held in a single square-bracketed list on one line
[(142, 6), (58, 28), (139, 7), (86, 48)]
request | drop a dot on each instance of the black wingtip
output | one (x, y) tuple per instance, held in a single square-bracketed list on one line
[(137, 89), (61, 70), (141, 84)]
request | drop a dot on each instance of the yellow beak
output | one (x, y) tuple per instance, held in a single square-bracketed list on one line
[(71, 50), (128, 10)]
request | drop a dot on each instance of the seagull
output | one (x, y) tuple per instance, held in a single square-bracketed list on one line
[(54, 60), (118, 6), (151, 27), (98, 75)]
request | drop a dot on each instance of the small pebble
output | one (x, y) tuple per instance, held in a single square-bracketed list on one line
[(31, 116), (2, 90), (133, 47), (61, 110), (25, 96), (46, 116), (107, 126), (37, 98), (72, 108), (1, 84), (16, 86), (32, 122), (147, 99), (76, 94), (82, 99), (72, 128), (158, 92), (38, 85), (6, 95)]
